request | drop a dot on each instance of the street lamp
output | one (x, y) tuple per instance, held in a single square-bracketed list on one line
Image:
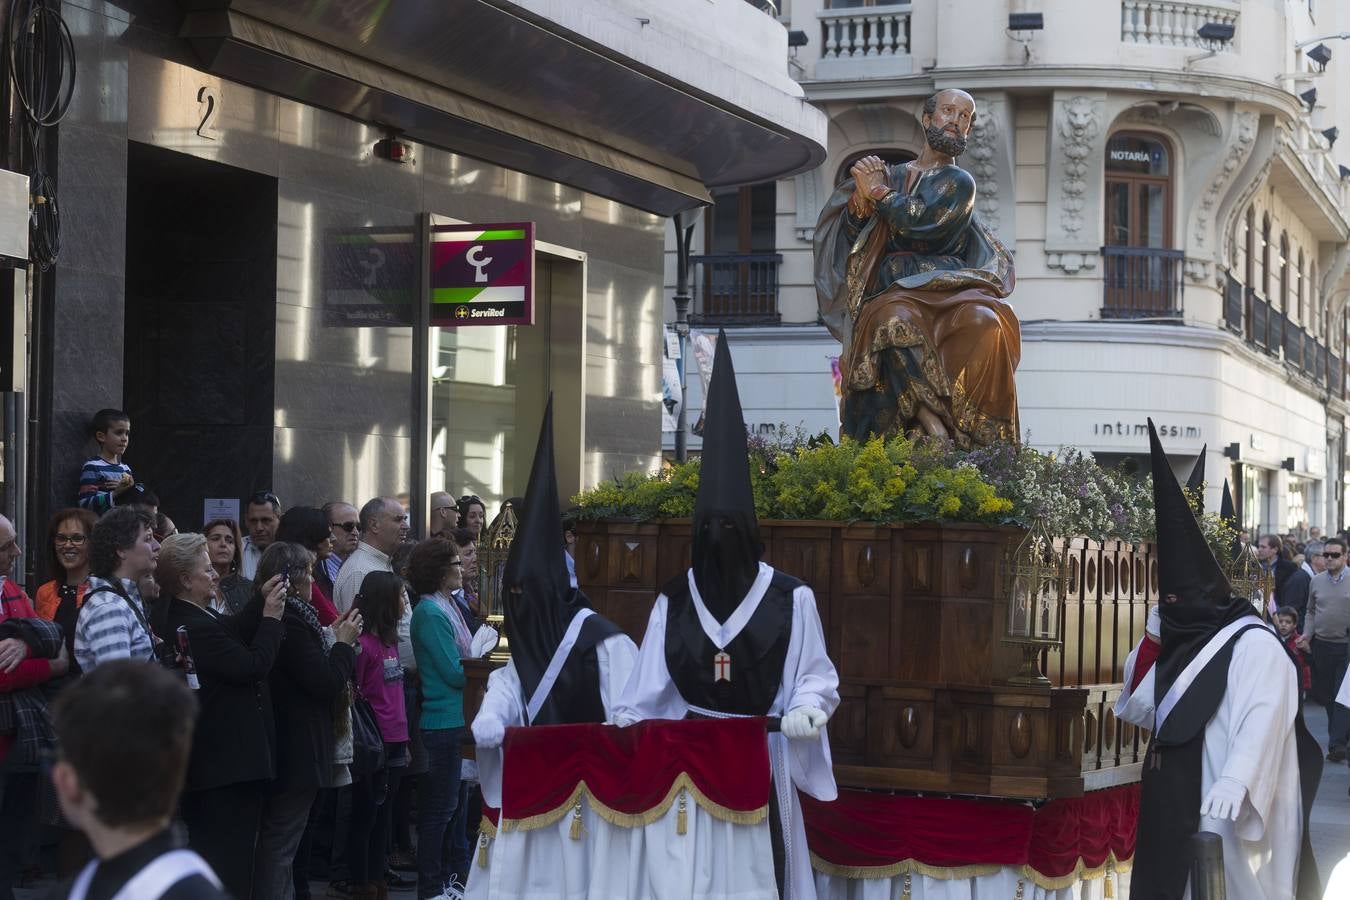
[(684, 236)]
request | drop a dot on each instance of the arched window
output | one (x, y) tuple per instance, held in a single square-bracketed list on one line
[(1265, 257), (890, 157), (1249, 242), (1300, 275), (1138, 191), (1285, 306)]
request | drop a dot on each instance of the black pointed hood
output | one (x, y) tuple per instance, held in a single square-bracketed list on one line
[(1196, 482), (726, 545), (539, 601), (1188, 572), (1227, 510)]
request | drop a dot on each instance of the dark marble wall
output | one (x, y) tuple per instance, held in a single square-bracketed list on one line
[(342, 421)]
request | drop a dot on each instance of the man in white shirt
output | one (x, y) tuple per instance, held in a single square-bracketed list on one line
[(384, 524), (262, 515)]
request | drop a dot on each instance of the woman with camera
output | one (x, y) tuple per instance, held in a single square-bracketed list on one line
[(307, 682), (227, 660)]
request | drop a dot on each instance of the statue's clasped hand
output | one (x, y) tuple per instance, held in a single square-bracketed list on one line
[(869, 181)]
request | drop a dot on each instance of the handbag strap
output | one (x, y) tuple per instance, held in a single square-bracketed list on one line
[(110, 587)]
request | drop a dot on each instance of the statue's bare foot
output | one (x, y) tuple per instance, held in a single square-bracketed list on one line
[(931, 423)]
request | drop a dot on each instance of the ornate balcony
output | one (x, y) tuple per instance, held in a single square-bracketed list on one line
[(863, 42), (1170, 23), (739, 288), (1142, 283)]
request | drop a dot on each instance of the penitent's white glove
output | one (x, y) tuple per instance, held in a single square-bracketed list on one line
[(624, 721), (488, 731), (1224, 800), (484, 640), (1153, 627), (803, 722)]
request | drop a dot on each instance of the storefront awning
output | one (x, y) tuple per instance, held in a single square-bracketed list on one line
[(500, 83)]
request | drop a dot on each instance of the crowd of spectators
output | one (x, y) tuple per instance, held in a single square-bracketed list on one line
[(323, 648)]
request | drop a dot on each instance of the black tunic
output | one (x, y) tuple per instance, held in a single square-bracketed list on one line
[(575, 697), (758, 653), (1169, 806)]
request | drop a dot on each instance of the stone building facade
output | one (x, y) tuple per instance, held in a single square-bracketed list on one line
[(1176, 206)]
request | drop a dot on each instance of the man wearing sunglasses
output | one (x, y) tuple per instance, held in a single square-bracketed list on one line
[(345, 527), (444, 515), (1325, 630), (262, 515)]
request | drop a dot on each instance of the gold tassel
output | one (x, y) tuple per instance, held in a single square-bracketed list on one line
[(682, 817), (482, 851), (1109, 890), (575, 832), (904, 895)]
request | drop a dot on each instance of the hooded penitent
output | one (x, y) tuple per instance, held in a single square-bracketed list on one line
[(726, 547), (1195, 597), (1195, 604), (540, 601), (1195, 484)]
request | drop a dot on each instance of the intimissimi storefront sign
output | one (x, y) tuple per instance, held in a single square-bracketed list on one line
[(1140, 430)]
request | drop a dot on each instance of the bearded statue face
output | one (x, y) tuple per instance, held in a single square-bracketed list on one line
[(947, 126)]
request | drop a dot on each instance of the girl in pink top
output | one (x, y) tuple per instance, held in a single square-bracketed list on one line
[(379, 679)]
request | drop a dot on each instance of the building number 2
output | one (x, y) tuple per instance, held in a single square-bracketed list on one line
[(206, 98)]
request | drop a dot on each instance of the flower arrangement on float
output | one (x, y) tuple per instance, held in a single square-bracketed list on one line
[(901, 480)]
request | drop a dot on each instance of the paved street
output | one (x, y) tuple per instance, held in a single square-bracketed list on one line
[(1331, 812)]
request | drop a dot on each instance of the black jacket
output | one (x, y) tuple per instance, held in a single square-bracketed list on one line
[(234, 740), (307, 683), (1293, 591)]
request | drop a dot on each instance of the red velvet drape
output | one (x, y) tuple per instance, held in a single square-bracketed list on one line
[(631, 770), (871, 830)]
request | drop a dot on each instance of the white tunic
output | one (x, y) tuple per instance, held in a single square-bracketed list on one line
[(543, 864), (505, 700), (1250, 739), (809, 679)]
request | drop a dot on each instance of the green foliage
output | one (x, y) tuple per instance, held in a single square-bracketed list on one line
[(898, 480)]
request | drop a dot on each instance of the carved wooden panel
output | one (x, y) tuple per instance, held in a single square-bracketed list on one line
[(864, 635), (966, 642), (630, 610), (866, 567), (970, 567), (590, 559), (918, 567), (848, 725), (912, 656), (632, 561), (1092, 575), (900, 729)]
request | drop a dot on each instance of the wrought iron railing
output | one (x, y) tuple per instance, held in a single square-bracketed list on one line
[(740, 287), (1272, 332), (1142, 283), (1234, 305)]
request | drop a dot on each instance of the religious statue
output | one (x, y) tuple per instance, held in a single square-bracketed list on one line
[(912, 283)]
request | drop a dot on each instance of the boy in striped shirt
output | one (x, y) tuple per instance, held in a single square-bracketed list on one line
[(105, 478)]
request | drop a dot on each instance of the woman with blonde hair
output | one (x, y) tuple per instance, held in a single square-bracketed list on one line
[(227, 660)]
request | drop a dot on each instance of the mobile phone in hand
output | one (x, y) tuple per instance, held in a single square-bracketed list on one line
[(286, 576)]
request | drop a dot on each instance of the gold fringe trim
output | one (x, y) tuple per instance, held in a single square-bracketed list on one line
[(1081, 871), (486, 827), (636, 820)]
